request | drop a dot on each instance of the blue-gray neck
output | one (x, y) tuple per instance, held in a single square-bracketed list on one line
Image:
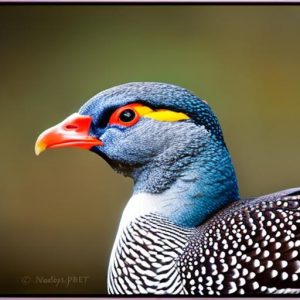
[(190, 181)]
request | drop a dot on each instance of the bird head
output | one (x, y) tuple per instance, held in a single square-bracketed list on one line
[(152, 132)]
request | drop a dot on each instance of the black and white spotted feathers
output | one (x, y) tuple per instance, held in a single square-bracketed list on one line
[(250, 247)]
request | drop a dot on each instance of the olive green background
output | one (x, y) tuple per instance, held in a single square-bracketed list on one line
[(59, 212)]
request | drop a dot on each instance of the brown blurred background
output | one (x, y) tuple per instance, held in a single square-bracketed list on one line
[(59, 212)]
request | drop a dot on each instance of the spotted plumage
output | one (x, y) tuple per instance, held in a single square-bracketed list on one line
[(250, 247), (185, 230)]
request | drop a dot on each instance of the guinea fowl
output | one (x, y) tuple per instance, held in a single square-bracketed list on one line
[(185, 229)]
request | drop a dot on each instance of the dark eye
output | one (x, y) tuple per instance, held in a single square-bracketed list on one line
[(127, 115)]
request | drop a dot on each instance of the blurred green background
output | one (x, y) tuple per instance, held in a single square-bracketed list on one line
[(59, 212)]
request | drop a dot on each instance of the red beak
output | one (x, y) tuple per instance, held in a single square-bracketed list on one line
[(72, 132)]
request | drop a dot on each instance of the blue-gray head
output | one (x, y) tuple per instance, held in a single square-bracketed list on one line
[(165, 138)]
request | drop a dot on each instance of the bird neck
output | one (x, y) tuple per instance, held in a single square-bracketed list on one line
[(189, 187)]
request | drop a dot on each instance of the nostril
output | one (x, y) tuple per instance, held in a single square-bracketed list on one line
[(71, 126)]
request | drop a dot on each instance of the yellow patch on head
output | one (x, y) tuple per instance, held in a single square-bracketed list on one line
[(163, 115)]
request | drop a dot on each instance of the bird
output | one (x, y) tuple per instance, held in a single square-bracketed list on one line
[(185, 230)]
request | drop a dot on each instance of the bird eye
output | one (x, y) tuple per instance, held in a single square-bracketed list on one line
[(127, 115)]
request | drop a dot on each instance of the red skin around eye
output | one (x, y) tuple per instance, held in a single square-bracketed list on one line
[(115, 117)]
